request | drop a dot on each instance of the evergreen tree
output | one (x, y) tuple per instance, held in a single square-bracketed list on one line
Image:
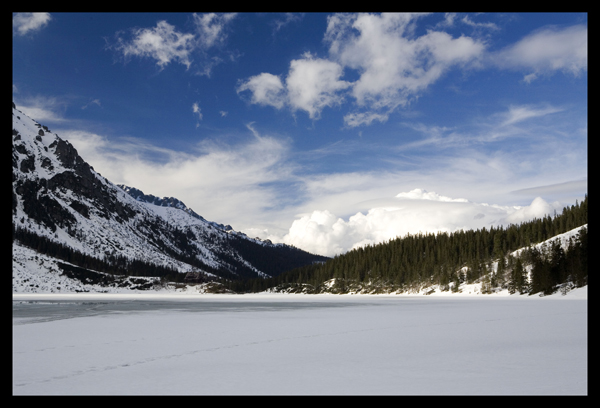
[(499, 278), (518, 278)]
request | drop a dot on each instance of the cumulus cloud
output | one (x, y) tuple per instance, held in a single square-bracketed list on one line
[(537, 209), (311, 85), (162, 43), (393, 66), (165, 44), (24, 23), (546, 51), (413, 212), (266, 89)]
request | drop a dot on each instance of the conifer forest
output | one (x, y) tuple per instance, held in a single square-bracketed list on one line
[(413, 262)]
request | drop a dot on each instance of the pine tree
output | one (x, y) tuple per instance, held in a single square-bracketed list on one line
[(519, 277)]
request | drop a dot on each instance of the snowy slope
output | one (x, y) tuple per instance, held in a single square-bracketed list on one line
[(476, 288), (564, 240)]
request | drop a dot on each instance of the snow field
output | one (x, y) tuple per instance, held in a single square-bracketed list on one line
[(308, 345)]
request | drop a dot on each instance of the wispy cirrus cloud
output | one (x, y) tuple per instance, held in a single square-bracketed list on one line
[(92, 102), (43, 109), (287, 18), (212, 28), (517, 121), (211, 177), (546, 51), (521, 113)]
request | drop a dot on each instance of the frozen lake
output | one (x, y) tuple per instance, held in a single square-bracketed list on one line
[(298, 344)]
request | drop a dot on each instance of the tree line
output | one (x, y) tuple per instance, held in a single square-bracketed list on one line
[(116, 265), (449, 259)]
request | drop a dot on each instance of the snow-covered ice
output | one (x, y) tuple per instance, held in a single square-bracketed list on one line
[(268, 344)]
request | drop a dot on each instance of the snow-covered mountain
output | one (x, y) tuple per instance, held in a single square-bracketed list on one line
[(62, 208)]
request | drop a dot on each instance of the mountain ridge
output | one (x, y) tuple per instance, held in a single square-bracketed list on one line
[(59, 199)]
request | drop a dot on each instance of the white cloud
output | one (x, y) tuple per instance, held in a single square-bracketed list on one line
[(92, 102), (449, 19), (266, 89), (538, 209), (313, 84), (393, 64), (196, 110), (491, 26), (518, 121), (520, 113), (288, 18), (211, 178), (364, 118), (43, 109), (419, 194), (412, 212), (569, 187), (162, 43), (546, 51), (211, 28), (165, 44), (24, 23)]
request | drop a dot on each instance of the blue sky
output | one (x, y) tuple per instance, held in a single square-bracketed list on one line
[(325, 131)]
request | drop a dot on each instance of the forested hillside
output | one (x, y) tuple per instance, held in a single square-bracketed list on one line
[(448, 259)]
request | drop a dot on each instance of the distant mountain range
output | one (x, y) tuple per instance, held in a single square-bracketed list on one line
[(62, 207)]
